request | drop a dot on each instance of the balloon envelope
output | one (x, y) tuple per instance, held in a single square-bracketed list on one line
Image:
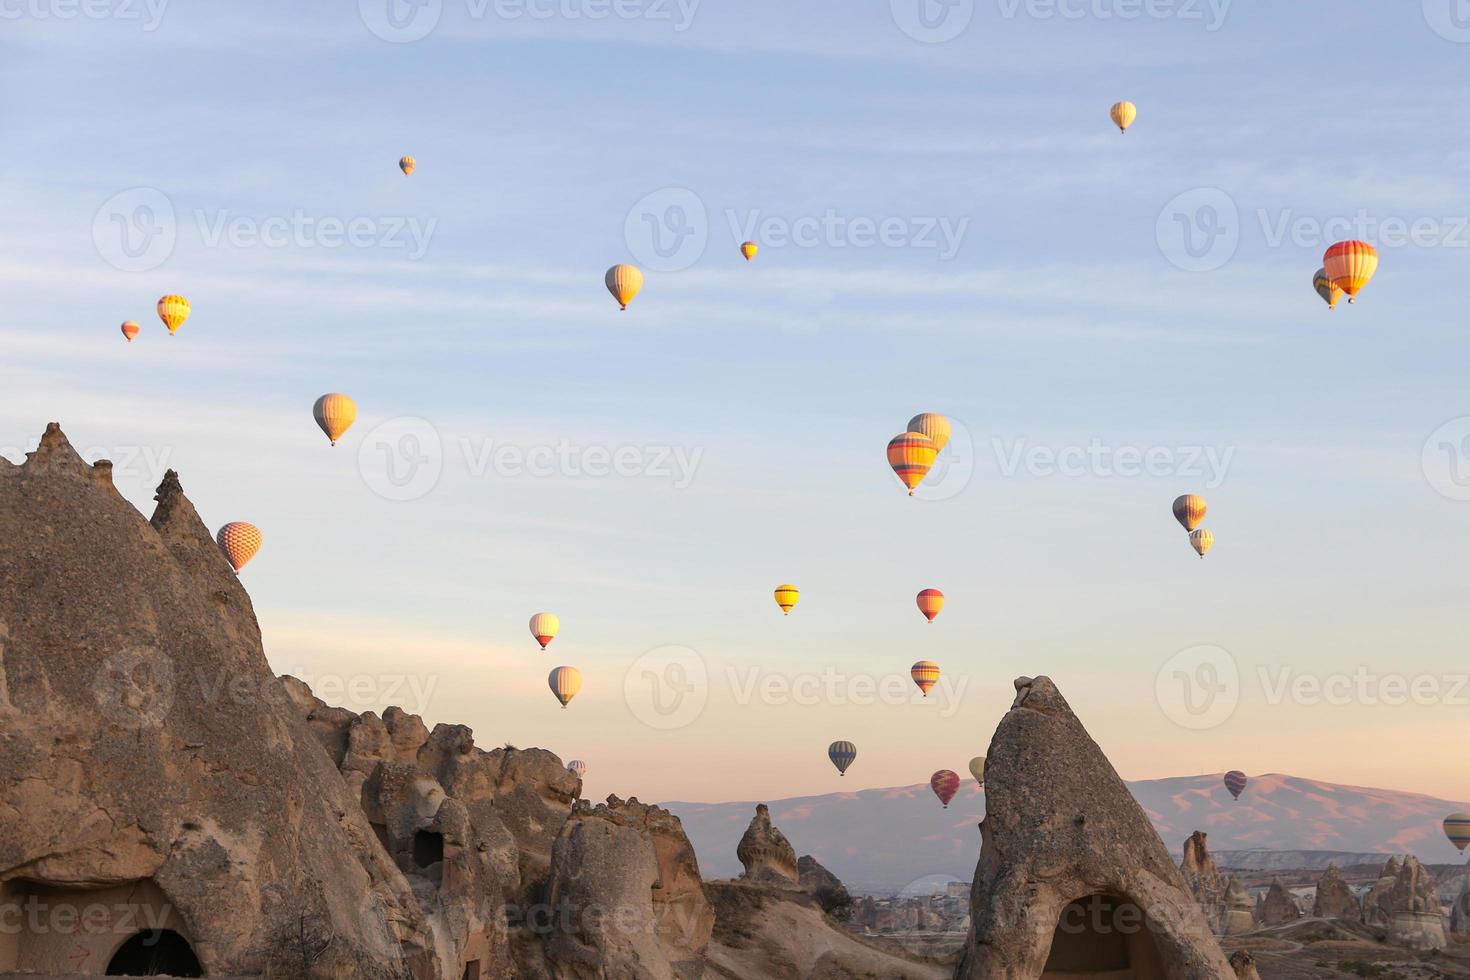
[(925, 674), (1189, 510), (911, 454), (977, 769), (565, 682), (130, 330), (930, 601), (407, 164), (748, 249), (239, 541), (173, 310), (945, 784), (1330, 292), (842, 755), (1201, 541), (624, 282), (1457, 829), (577, 768), (334, 414), (1235, 782), (1123, 114), (1350, 266), (933, 425), (787, 596), (544, 627)]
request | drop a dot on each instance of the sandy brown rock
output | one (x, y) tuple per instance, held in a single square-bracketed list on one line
[(1243, 962), (765, 852), (1376, 905), (1063, 834), (1278, 908), (1335, 898), (1204, 879), (1239, 910), (1416, 920), (1460, 910)]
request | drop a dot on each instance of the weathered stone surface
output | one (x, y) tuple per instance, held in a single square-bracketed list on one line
[(1278, 908), (1239, 911), (765, 852), (1205, 881), (1415, 917), (1335, 898), (1061, 828), (1243, 962), (1460, 911), (1377, 909)]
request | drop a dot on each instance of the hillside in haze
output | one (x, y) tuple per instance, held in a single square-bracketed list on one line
[(888, 840)]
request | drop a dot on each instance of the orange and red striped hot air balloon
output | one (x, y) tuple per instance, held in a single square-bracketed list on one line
[(945, 784), (912, 455), (925, 674), (930, 602), (749, 249), (239, 541), (1350, 265), (130, 330)]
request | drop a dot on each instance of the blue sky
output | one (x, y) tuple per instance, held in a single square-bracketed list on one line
[(1063, 313)]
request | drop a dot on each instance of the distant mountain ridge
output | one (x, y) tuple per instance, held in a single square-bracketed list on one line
[(883, 841)]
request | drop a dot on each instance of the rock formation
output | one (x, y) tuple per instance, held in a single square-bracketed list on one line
[(825, 887), (1243, 962), (1376, 907), (1205, 881), (1278, 907), (1335, 898), (765, 852), (1072, 876), (1415, 917), (1239, 911), (1460, 910)]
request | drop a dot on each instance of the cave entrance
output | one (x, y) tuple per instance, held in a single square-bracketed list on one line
[(51, 928), (1104, 937), (428, 848), (156, 952)]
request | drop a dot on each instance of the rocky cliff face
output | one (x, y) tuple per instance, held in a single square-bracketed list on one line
[(1206, 883), (1072, 877), (766, 853)]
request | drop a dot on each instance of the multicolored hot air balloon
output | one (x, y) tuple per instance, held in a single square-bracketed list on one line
[(945, 784), (933, 425), (577, 768), (1457, 829), (977, 769), (786, 597), (925, 674), (1235, 781), (842, 755), (911, 454), (624, 282), (1189, 510), (1350, 266), (173, 311), (1123, 114), (130, 330), (239, 541), (748, 249), (930, 602), (1330, 292), (565, 682), (334, 413), (407, 164), (544, 627), (1201, 541)]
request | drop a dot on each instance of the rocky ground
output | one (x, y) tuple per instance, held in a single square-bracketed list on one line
[(1324, 949)]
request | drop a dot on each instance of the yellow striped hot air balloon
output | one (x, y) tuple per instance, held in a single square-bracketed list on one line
[(748, 249), (624, 282), (334, 413), (930, 602), (1350, 266), (1457, 829), (565, 682), (933, 425), (407, 164), (239, 541), (1189, 510), (1202, 541), (1330, 292), (925, 674), (130, 330), (1123, 114), (786, 597), (911, 454), (173, 311), (544, 627)]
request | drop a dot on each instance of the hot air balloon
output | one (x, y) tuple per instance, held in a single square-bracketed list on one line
[(945, 784), (842, 755), (748, 249), (577, 768), (1235, 781), (1123, 114), (173, 311), (1189, 510), (925, 674), (544, 627), (911, 454), (1457, 829), (407, 164), (1330, 292), (565, 682), (930, 602), (1202, 541), (933, 425), (1350, 265), (239, 541), (130, 330), (624, 282), (786, 597), (335, 413), (977, 769)]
